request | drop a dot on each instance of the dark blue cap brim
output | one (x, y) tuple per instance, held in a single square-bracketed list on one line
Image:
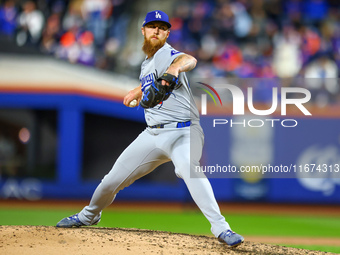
[(167, 23)]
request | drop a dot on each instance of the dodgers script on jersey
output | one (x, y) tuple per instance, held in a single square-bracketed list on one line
[(180, 106)]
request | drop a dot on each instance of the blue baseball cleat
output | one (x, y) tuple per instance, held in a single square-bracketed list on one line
[(72, 221), (230, 238)]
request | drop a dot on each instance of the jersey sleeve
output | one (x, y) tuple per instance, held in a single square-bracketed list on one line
[(165, 58)]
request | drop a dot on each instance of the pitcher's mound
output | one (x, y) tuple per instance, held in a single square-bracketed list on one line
[(60, 241)]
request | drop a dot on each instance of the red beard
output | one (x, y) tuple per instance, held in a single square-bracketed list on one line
[(151, 47)]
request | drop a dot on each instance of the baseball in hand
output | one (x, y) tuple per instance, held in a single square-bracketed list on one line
[(133, 103)]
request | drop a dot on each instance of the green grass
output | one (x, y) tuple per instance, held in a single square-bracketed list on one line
[(333, 249), (271, 225), (192, 222), (32, 216)]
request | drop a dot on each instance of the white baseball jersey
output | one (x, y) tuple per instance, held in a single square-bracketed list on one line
[(180, 106)]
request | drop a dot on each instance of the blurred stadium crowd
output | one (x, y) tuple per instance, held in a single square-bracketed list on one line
[(230, 38)]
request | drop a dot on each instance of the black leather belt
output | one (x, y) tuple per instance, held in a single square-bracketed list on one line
[(178, 125)]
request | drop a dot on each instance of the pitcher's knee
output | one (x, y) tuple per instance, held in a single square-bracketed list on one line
[(108, 185), (189, 170)]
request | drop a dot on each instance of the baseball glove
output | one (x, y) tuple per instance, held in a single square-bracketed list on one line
[(157, 92)]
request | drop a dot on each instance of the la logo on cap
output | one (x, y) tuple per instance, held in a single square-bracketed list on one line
[(158, 16)]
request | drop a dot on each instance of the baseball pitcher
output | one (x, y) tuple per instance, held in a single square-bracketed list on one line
[(172, 125)]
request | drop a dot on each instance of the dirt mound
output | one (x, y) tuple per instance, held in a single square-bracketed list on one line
[(51, 240)]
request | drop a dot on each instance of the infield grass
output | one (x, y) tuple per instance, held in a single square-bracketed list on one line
[(333, 249), (191, 222)]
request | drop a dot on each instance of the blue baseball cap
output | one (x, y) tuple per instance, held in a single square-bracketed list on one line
[(156, 16)]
